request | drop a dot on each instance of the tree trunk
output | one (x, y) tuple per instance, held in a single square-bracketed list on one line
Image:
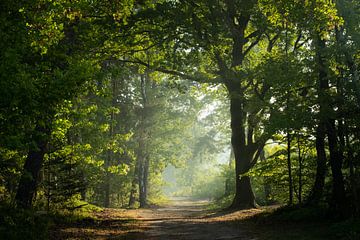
[(336, 160), (318, 188), (29, 179), (142, 155), (228, 180), (300, 160), (107, 184), (336, 156), (143, 186), (132, 198), (109, 157), (107, 190), (291, 194), (108, 176), (243, 152), (135, 181), (244, 195), (352, 172)]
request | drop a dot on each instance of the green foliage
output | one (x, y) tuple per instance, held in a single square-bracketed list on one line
[(273, 171), (10, 167)]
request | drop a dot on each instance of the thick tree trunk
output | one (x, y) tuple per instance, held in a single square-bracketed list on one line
[(228, 180), (336, 160), (243, 152), (336, 156), (353, 182), (318, 188), (244, 195), (242, 141), (29, 179)]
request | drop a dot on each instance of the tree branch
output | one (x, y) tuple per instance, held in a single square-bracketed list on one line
[(253, 34), (197, 78), (253, 44), (261, 144)]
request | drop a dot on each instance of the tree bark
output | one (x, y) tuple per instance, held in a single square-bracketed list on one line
[(291, 194), (321, 169), (228, 180), (30, 177), (109, 157), (142, 156), (336, 161), (336, 157), (243, 152), (246, 151), (353, 182), (143, 183), (107, 187), (300, 160), (132, 198)]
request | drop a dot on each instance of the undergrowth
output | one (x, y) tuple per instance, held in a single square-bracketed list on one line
[(304, 223), (21, 224), (34, 224), (221, 203)]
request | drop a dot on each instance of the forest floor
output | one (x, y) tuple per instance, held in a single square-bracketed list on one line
[(192, 220), (179, 219)]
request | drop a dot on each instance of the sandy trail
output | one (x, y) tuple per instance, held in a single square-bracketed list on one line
[(180, 219)]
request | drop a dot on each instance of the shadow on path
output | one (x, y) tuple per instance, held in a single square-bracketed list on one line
[(180, 219)]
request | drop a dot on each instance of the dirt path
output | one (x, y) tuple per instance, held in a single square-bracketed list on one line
[(180, 219)]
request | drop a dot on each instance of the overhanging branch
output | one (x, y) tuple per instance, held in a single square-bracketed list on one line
[(197, 78)]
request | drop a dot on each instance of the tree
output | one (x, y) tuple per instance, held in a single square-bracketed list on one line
[(50, 62), (224, 42)]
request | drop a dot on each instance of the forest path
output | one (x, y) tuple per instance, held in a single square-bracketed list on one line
[(179, 219)]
